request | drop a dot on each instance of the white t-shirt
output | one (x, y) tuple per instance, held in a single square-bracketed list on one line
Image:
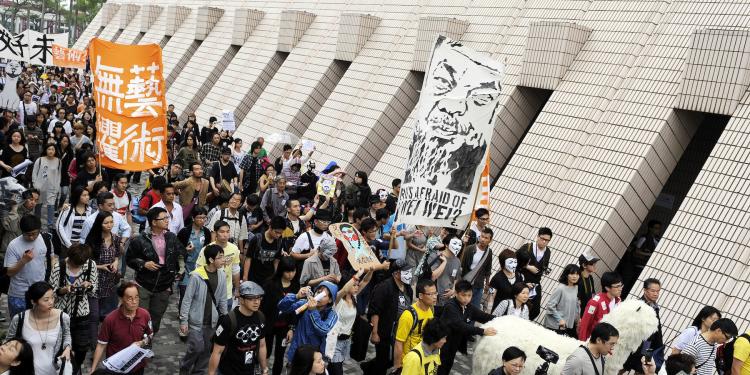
[(476, 259), (303, 241)]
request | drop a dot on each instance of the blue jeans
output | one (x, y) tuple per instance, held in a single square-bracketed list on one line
[(15, 305), (476, 297)]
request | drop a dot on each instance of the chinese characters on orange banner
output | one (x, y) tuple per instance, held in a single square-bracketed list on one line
[(68, 57), (129, 92)]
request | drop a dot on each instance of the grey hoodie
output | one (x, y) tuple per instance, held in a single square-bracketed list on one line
[(193, 303)]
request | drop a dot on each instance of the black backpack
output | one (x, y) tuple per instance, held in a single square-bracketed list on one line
[(725, 355)]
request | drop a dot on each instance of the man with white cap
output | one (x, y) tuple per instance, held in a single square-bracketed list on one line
[(239, 342), (586, 288)]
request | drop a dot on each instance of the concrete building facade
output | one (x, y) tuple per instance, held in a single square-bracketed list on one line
[(613, 112)]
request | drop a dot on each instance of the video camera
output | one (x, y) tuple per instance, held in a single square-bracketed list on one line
[(548, 356)]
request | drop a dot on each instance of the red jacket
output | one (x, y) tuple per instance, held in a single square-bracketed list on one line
[(595, 310)]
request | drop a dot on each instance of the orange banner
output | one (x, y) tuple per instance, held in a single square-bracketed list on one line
[(483, 198), (129, 92), (68, 57)]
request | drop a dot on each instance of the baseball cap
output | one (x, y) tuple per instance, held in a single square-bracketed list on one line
[(399, 265), (250, 289), (587, 258)]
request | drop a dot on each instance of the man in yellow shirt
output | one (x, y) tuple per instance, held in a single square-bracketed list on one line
[(231, 259), (424, 359), (741, 363), (408, 331)]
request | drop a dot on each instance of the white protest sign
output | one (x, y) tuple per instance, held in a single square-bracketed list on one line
[(452, 136), (227, 120), (30, 46)]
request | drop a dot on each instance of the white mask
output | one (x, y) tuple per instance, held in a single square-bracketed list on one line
[(455, 245), (511, 264), (406, 277), (383, 195)]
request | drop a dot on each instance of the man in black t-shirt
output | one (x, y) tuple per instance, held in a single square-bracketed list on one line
[(264, 252), (239, 342), (223, 173)]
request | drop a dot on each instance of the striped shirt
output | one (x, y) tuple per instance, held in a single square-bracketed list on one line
[(75, 235), (704, 354)]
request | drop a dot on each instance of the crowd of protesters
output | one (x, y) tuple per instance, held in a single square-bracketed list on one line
[(263, 285)]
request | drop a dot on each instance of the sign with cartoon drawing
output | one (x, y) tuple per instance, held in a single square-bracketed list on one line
[(360, 253), (327, 185), (456, 112), (9, 97)]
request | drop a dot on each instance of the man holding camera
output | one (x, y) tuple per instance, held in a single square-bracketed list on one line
[(589, 359), (533, 261)]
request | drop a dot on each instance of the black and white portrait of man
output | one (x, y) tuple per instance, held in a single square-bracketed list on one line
[(454, 128)]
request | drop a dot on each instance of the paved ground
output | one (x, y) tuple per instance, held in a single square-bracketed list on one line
[(168, 348)]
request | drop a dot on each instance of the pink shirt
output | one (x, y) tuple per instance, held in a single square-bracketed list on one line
[(160, 245)]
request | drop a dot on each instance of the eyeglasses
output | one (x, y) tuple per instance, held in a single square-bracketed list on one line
[(484, 218), (617, 286), (162, 218), (546, 239)]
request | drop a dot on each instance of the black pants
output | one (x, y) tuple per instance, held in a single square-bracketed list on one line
[(447, 356), (80, 333), (383, 359), (277, 334), (336, 368), (535, 304)]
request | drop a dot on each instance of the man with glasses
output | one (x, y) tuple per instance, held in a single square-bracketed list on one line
[(413, 319), (533, 261), (601, 304), (153, 255), (483, 218), (651, 291), (703, 347), (239, 342), (589, 359), (123, 327)]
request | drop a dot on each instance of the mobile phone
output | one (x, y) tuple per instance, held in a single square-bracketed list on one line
[(649, 355), (647, 351)]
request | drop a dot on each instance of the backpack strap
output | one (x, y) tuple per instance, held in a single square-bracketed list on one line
[(414, 317), (48, 255), (70, 213), (232, 321), (19, 327), (309, 239), (211, 292), (419, 354)]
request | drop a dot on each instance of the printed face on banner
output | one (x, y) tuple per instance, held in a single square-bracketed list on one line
[(129, 89), (327, 186), (449, 143), (359, 253), (9, 97), (455, 117)]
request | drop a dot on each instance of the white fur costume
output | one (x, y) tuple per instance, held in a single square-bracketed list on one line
[(635, 321)]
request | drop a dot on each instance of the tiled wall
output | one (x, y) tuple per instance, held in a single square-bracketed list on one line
[(206, 63), (593, 161), (131, 29)]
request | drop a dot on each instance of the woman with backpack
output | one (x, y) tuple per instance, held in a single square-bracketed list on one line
[(44, 327), (74, 282), (517, 305), (106, 252), (70, 221)]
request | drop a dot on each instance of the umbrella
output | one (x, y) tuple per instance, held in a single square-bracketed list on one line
[(282, 138)]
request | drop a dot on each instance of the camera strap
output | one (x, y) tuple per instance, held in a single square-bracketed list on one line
[(593, 361)]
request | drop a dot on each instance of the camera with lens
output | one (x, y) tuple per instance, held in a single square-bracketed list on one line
[(548, 356)]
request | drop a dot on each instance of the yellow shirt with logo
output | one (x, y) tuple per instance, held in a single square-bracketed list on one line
[(405, 323), (426, 365), (231, 259), (742, 353)]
